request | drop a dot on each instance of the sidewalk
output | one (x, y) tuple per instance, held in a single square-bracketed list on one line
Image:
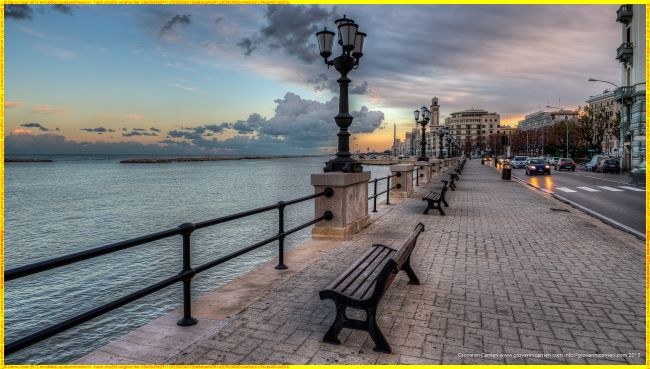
[(507, 271)]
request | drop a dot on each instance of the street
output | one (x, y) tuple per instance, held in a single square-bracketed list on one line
[(610, 195)]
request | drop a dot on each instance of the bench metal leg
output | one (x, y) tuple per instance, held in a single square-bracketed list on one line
[(333, 333), (413, 279), (445, 202), (381, 345), (429, 206), (440, 209)]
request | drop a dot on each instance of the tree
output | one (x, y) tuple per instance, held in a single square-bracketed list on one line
[(592, 126)]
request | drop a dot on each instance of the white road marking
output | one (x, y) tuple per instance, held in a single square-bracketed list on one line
[(632, 188), (564, 189), (588, 189), (610, 188)]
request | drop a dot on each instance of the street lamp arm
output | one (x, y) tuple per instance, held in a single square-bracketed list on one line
[(599, 80)]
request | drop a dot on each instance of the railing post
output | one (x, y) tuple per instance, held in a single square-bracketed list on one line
[(281, 265), (388, 190), (374, 198), (417, 176), (187, 273)]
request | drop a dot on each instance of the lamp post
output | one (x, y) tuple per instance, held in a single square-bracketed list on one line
[(623, 132), (567, 128), (351, 42), (448, 139), (440, 131), (423, 142)]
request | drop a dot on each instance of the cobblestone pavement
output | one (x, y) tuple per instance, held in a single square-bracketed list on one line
[(508, 271)]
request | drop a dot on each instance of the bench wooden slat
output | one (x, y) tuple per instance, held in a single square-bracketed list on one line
[(353, 287), (343, 276)]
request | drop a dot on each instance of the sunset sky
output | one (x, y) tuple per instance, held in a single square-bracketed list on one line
[(209, 79)]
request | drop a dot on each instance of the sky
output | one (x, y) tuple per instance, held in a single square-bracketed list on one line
[(248, 79)]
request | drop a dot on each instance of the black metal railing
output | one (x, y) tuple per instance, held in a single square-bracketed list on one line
[(386, 191), (185, 275), (416, 178)]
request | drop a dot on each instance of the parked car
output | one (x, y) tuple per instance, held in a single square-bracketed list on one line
[(519, 162), (593, 163), (638, 174), (608, 166), (537, 165), (565, 163)]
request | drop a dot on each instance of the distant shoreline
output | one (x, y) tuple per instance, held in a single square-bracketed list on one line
[(209, 158), (29, 161)]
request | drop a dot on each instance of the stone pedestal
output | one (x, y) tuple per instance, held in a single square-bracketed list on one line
[(436, 167), (405, 180), (349, 204), (425, 171)]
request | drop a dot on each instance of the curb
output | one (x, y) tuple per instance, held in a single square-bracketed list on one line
[(586, 210)]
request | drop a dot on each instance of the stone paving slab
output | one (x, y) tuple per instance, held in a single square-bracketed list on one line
[(508, 276)]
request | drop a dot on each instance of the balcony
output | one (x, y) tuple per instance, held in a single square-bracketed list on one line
[(624, 93), (624, 14), (624, 52)]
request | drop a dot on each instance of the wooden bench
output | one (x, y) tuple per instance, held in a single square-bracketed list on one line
[(435, 200), (448, 180), (363, 284)]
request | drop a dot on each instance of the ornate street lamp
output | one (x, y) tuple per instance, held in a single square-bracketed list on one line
[(423, 142), (351, 42)]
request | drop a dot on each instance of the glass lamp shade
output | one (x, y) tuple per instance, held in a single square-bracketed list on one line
[(416, 113), (347, 35), (358, 45), (426, 113), (340, 22), (325, 40)]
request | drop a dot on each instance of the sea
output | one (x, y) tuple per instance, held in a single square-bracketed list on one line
[(79, 202)]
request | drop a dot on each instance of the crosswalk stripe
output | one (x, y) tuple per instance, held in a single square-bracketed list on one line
[(564, 189), (632, 188), (610, 188), (588, 189)]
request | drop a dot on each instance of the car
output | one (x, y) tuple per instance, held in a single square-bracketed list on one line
[(537, 165), (608, 166), (553, 160), (519, 161), (638, 174), (565, 163), (591, 164)]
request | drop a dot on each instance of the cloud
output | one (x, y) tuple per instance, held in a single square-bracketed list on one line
[(299, 124), (291, 29), (36, 125), (99, 130), (18, 11), (13, 104), (65, 9), (44, 109), (182, 20), (23, 142), (138, 133)]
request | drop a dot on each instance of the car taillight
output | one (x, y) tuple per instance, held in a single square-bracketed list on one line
[(574, 163)]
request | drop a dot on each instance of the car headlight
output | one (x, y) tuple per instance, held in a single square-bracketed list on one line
[(546, 166), (532, 167)]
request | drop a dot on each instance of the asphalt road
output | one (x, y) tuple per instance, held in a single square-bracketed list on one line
[(610, 195)]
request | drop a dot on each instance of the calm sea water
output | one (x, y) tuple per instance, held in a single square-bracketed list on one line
[(79, 202)]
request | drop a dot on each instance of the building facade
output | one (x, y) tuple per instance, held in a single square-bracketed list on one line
[(471, 129), (611, 105), (545, 119), (631, 55)]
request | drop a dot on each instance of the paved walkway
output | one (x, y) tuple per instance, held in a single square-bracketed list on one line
[(510, 275)]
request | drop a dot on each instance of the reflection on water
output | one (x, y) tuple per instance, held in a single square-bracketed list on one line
[(53, 209)]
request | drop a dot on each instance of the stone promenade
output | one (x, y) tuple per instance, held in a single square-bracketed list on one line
[(509, 275)]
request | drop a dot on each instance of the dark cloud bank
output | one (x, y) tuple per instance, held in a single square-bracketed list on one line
[(299, 126)]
